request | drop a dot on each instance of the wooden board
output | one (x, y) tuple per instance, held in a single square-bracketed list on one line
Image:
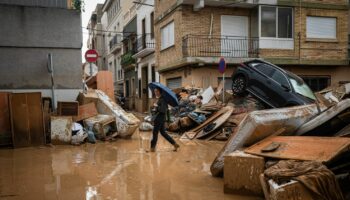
[(322, 149), (5, 123), (86, 111), (104, 81), (218, 122), (27, 119)]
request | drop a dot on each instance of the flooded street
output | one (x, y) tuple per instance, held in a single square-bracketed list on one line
[(115, 170)]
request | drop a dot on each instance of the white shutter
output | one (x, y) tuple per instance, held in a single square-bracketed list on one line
[(167, 36), (321, 27), (171, 34)]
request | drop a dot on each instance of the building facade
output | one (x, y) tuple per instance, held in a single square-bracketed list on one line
[(30, 32), (144, 55), (309, 38), (96, 38)]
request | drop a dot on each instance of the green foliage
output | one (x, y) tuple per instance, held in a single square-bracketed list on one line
[(78, 5), (127, 59)]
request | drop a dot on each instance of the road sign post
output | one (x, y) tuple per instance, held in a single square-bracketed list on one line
[(222, 69), (91, 56)]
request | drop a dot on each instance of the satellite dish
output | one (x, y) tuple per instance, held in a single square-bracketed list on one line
[(87, 70)]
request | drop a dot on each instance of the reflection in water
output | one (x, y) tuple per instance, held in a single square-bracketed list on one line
[(120, 170)]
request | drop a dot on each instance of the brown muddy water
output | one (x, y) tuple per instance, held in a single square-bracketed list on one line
[(113, 170)]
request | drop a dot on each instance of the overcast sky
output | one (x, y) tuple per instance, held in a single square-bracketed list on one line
[(90, 6)]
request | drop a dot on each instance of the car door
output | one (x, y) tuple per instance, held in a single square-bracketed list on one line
[(260, 83), (280, 88)]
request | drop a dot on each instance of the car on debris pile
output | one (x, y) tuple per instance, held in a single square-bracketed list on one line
[(271, 84)]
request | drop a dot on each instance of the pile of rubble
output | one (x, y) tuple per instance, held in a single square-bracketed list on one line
[(299, 152)]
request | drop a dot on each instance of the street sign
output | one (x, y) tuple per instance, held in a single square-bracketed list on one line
[(91, 55), (222, 65)]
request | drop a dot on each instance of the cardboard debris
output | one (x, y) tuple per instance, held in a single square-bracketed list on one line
[(292, 190), (258, 125), (321, 149), (207, 95)]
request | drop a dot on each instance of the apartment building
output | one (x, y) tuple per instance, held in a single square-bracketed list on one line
[(308, 37), (96, 38), (144, 54), (31, 30), (128, 63), (112, 26)]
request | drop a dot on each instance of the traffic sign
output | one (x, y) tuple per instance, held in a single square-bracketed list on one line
[(91, 55), (222, 65)]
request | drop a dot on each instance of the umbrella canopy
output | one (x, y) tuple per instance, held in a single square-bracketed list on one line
[(168, 95)]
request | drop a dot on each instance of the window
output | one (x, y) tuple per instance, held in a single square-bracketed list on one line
[(321, 27), (174, 83), (127, 87), (167, 36), (280, 78), (152, 25), (276, 22), (317, 83), (265, 69)]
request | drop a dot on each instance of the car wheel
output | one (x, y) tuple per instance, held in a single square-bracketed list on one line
[(239, 84)]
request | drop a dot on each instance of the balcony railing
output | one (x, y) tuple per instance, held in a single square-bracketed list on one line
[(115, 41), (145, 41), (220, 46)]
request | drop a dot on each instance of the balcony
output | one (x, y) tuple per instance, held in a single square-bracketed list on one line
[(230, 47), (127, 59), (144, 46), (115, 44)]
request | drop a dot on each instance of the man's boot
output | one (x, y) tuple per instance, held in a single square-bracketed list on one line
[(176, 146)]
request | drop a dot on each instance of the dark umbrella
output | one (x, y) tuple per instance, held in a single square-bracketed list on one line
[(168, 95)]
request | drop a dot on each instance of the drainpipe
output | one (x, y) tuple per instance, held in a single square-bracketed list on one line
[(50, 69)]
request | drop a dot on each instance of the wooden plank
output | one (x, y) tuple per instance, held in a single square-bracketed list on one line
[(86, 111), (5, 122), (208, 121), (104, 81), (322, 149), (19, 120), (35, 118), (27, 119), (218, 122)]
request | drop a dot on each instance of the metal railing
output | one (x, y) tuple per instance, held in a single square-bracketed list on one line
[(145, 41), (115, 41), (220, 46)]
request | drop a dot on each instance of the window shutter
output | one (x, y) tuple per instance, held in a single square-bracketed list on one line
[(321, 27)]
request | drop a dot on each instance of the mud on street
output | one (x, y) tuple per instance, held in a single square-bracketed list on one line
[(113, 170)]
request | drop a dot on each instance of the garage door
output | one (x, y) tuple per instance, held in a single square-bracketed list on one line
[(173, 83)]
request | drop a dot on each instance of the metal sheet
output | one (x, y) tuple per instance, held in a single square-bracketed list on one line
[(322, 149), (27, 119), (5, 123)]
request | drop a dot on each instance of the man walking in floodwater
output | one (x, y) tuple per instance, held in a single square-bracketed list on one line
[(161, 108)]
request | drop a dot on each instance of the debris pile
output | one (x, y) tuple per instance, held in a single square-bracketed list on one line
[(299, 152)]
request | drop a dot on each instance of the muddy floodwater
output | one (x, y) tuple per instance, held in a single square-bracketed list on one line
[(112, 170)]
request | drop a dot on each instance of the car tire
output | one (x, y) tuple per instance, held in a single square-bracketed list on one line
[(239, 85)]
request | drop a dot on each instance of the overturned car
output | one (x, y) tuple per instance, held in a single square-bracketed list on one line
[(271, 84)]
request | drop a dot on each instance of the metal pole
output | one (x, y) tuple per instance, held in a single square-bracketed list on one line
[(52, 82), (223, 88), (90, 69)]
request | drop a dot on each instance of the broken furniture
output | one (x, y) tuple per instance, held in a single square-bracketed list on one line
[(101, 125), (242, 173), (61, 129), (103, 81), (258, 125), (65, 108), (86, 111)]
